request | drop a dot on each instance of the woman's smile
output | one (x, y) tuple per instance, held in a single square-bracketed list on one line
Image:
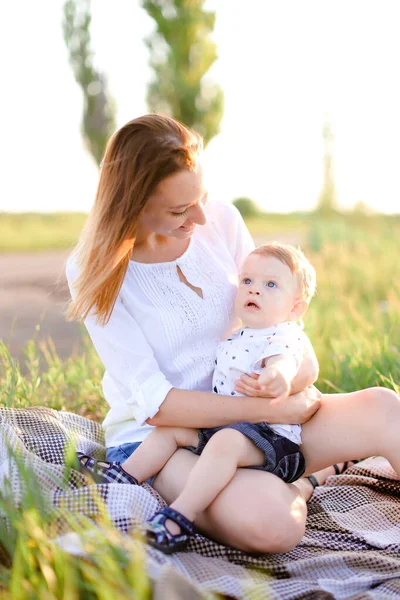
[(187, 229)]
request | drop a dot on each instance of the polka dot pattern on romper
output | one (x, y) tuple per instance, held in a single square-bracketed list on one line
[(246, 350)]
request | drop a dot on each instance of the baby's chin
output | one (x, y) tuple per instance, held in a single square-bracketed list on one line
[(254, 321)]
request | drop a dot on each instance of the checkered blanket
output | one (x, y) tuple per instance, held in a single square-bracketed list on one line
[(350, 549)]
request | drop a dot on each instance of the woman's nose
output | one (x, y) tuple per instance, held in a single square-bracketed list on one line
[(199, 215)]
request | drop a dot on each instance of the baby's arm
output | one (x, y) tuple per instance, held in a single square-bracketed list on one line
[(276, 377), (308, 369)]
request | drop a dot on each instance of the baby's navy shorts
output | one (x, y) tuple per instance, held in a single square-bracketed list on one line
[(282, 456)]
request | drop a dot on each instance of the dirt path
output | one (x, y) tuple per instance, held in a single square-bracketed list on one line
[(33, 290)]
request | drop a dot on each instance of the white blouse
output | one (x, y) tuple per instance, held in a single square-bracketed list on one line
[(162, 334)]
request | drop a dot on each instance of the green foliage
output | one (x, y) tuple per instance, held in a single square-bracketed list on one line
[(358, 294), (327, 199), (354, 319), (247, 207), (361, 208), (98, 121), (31, 232), (34, 564), (44, 379), (182, 52), (353, 323)]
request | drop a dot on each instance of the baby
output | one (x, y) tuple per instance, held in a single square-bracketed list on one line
[(276, 285)]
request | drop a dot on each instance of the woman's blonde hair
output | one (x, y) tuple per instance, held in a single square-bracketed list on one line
[(299, 265), (138, 157)]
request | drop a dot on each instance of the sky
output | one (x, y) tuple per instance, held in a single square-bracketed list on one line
[(282, 65)]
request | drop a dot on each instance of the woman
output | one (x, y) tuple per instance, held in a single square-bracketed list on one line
[(154, 278)]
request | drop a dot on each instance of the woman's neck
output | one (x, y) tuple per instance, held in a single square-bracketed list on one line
[(160, 249)]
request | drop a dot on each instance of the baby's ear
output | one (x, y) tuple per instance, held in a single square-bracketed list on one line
[(299, 308)]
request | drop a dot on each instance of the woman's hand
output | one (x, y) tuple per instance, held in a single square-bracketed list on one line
[(297, 408), (302, 406)]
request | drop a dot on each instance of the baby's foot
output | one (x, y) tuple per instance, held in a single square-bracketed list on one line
[(161, 537), (104, 472), (174, 526)]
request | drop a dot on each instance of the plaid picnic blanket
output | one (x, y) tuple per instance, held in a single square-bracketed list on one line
[(350, 549)]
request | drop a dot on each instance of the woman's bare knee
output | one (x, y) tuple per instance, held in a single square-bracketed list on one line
[(256, 512), (281, 531), (386, 404), (382, 396), (387, 396)]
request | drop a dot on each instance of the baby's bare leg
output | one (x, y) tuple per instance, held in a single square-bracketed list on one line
[(157, 449), (227, 450)]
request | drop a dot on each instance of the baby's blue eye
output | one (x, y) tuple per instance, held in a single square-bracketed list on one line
[(247, 281), (271, 284)]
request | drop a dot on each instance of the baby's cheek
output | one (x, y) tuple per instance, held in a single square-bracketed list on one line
[(238, 302)]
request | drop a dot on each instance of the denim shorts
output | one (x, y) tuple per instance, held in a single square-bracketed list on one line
[(122, 453)]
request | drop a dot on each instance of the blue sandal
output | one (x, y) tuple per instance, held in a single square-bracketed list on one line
[(104, 472), (159, 536)]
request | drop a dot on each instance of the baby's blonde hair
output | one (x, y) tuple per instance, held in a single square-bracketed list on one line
[(299, 265)]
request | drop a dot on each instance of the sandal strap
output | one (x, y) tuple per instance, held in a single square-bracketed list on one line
[(313, 481), (159, 536), (87, 464), (103, 471), (178, 518), (340, 471)]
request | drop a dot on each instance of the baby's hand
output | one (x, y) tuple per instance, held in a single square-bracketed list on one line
[(273, 382)]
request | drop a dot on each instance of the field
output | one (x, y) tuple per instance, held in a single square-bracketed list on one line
[(353, 322), (35, 232)]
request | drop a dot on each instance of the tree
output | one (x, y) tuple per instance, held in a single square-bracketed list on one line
[(182, 52), (98, 121), (361, 208), (327, 198), (246, 207)]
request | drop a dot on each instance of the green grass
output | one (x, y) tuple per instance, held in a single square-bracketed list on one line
[(353, 322), (33, 232), (34, 565), (43, 379)]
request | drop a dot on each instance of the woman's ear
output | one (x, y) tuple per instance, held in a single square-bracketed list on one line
[(299, 308)]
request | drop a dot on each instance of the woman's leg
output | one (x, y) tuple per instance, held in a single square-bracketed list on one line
[(307, 488), (258, 512), (347, 426), (255, 512)]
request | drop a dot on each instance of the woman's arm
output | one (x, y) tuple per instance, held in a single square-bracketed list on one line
[(184, 408)]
